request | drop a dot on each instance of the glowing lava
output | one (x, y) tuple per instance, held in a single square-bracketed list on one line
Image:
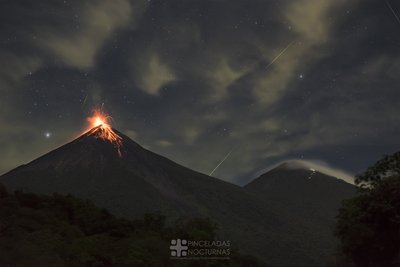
[(100, 128), (98, 118)]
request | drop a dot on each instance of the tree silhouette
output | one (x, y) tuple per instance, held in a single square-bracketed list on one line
[(368, 225)]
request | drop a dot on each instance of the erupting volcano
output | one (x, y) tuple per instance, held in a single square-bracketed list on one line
[(282, 207), (100, 128)]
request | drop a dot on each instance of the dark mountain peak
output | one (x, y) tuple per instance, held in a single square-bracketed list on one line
[(303, 189), (95, 149), (301, 182), (307, 169)]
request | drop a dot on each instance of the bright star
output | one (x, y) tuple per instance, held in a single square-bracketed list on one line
[(47, 134)]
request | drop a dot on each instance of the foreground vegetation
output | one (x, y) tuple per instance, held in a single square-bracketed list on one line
[(39, 230), (369, 225)]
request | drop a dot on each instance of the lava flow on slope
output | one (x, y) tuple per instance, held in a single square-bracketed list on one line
[(100, 128)]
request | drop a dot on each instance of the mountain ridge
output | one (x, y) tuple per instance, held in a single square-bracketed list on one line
[(140, 181), (313, 195), (312, 165)]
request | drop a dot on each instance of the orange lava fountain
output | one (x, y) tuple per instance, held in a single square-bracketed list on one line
[(100, 128)]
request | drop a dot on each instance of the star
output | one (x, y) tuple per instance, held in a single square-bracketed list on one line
[(47, 135), (301, 76)]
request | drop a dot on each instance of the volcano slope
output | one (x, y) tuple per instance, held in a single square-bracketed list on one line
[(129, 180)]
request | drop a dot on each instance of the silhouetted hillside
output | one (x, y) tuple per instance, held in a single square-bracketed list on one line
[(39, 230)]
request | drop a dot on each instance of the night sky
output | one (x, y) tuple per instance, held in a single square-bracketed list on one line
[(255, 81)]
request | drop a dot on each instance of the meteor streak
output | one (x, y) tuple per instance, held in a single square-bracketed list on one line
[(272, 62), (84, 101), (393, 11), (219, 164), (278, 56)]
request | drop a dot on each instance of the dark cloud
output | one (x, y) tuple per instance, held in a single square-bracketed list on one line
[(192, 80)]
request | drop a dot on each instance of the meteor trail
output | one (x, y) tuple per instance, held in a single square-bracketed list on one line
[(222, 161), (272, 62), (84, 101), (393, 11), (280, 54)]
